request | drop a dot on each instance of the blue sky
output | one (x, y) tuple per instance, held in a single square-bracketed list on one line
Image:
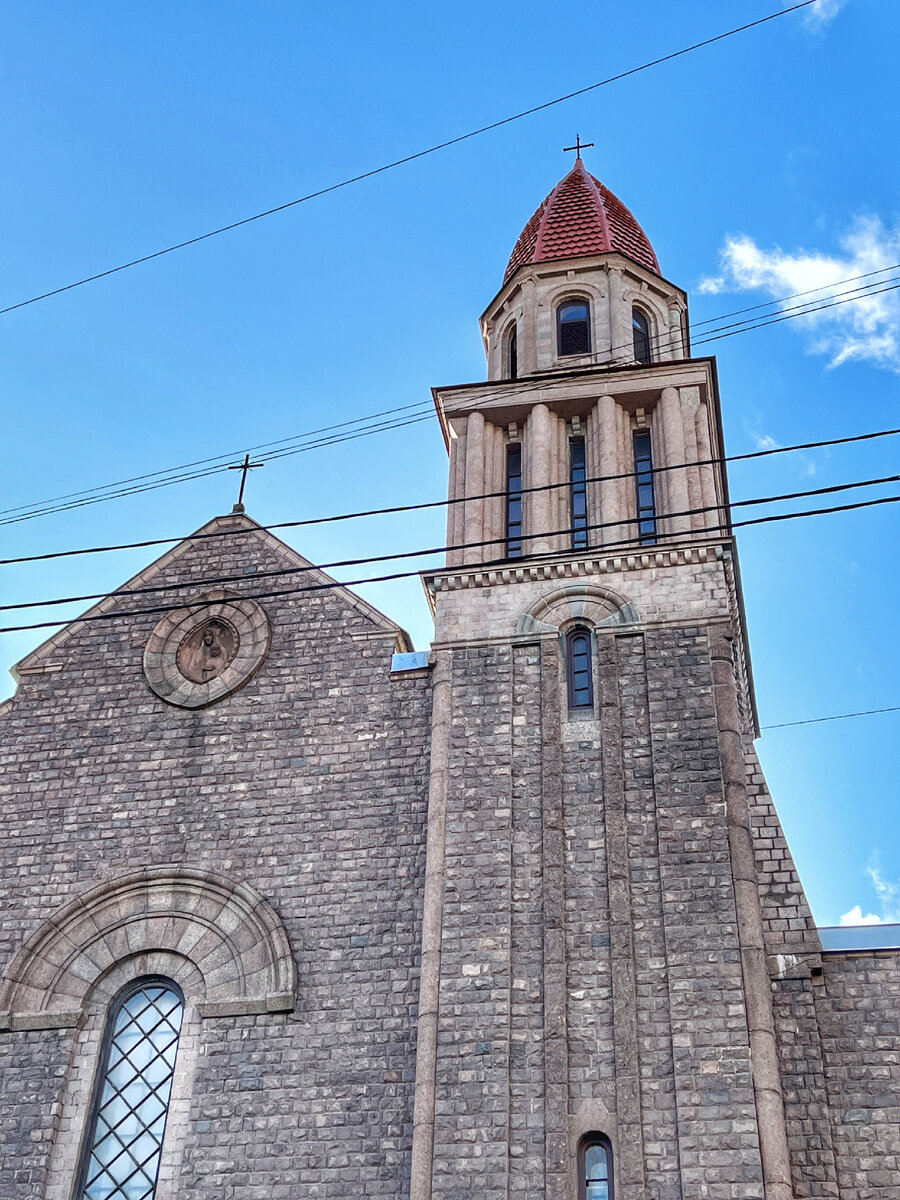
[(759, 167)]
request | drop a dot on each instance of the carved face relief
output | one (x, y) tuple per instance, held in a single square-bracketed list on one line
[(199, 655), (208, 650)]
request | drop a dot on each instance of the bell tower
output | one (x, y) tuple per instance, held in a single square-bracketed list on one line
[(596, 1012)]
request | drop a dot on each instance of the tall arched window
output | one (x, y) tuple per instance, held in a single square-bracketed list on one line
[(573, 327), (579, 668), (595, 1173), (640, 327), (131, 1101), (513, 353)]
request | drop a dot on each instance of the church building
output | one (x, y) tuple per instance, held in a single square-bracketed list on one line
[(292, 911)]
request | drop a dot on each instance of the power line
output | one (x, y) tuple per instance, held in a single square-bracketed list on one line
[(869, 712), (795, 295), (427, 551), (638, 543), (93, 496), (445, 503), (408, 158)]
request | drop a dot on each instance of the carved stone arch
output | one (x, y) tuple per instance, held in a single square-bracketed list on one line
[(577, 604), (231, 935)]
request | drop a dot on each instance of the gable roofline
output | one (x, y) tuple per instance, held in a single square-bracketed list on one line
[(36, 661)]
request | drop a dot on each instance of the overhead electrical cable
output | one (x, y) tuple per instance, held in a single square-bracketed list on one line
[(99, 495), (868, 712), (398, 162), (446, 503), (429, 551), (637, 543)]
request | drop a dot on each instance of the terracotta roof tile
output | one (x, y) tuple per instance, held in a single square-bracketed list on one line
[(581, 216)]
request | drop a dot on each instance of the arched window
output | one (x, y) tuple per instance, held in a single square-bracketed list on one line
[(640, 328), (513, 353), (131, 1101), (579, 668), (573, 327), (595, 1174)]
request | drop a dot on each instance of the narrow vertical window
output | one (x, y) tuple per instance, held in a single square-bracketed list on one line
[(579, 669), (578, 490), (643, 478), (573, 330), (640, 327), (128, 1120), (514, 500), (595, 1169), (514, 353)]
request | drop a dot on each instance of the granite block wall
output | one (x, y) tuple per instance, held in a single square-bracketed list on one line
[(310, 785)]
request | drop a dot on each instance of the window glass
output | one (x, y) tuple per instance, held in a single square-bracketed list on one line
[(643, 475), (595, 1168), (514, 500), (573, 327), (514, 354), (578, 489), (641, 331), (580, 669), (132, 1101)]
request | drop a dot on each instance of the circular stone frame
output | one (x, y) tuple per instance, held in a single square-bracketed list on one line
[(161, 654)]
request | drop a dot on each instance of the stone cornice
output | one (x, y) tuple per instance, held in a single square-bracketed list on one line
[(456, 579)]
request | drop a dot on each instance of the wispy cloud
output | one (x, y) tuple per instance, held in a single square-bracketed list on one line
[(822, 13), (864, 329), (888, 894)]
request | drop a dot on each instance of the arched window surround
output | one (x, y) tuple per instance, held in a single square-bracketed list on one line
[(642, 334), (573, 333), (598, 1166), (131, 1099)]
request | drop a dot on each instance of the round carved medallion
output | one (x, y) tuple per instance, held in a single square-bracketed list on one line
[(201, 654)]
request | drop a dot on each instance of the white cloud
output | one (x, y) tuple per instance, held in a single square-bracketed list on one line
[(818, 15), (888, 893), (765, 441), (855, 917), (865, 329)]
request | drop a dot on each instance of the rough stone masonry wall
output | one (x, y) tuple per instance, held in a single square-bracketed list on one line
[(308, 784), (657, 1054), (859, 1016)]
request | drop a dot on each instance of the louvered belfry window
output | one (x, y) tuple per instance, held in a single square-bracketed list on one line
[(573, 327), (121, 1157)]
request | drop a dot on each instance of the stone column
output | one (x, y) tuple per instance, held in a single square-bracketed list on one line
[(773, 1143), (457, 490), (619, 321), (676, 484), (675, 340), (609, 464), (707, 473), (539, 439), (474, 522), (432, 924)]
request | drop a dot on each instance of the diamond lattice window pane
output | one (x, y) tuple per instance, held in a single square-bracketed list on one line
[(130, 1117)]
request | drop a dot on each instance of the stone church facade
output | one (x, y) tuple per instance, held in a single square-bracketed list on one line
[(290, 910)]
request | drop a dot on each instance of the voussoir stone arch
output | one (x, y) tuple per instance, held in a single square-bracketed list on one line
[(577, 604), (231, 935)]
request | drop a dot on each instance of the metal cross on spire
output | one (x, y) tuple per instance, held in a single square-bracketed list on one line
[(578, 147), (243, 467)]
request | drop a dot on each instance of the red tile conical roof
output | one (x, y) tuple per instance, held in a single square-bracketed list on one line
[(581, 216)]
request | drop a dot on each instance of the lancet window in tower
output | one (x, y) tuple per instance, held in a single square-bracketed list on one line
[(514, 500), (579, 669), (595, 1169), (573, 327), (644, 488), (640, 327), (513, 353), (128, 1119), (578, 492)]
